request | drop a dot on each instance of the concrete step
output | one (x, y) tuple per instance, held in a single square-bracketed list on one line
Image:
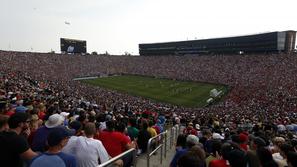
[(155, 160)]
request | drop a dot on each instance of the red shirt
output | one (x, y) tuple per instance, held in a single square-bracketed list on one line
[(9, 113), (190, 131), (158, 130), (244, 147), (218, 163), (114, 142), (41, 115)]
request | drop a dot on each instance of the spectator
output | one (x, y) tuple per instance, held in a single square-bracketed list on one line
[(262, 100), (14, 147), (237, 157), (215, 151), (206, 140), (278, 158), (191, 141), (191, 130), (223, 162), (143, 138), (244, 139), (4, 123), (292, 159), (88, 151), (56, 140), (253, 159), (265, 158), (132, 130), (285, 148), (40, 137), (181, 142), (114, 142), (151, 130), (194, 157), (76, 125)]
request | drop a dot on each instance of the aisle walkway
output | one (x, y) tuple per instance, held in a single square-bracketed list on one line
[(155, 160)]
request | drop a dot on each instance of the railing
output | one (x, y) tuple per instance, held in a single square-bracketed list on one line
[(162, 139), (112, 160), (174, 132), (177, 131), (162, 136)]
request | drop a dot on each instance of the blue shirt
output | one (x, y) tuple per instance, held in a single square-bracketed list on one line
[(57, 160), (177, 155), (40, 137)]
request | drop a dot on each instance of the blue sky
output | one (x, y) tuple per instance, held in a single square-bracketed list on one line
[(117, 26)]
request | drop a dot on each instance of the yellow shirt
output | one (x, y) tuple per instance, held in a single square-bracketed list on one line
[(152, 131)]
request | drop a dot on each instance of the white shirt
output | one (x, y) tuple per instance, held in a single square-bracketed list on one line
[(279, 160), (86, 150)]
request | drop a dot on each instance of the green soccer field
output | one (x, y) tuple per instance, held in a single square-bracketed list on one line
[(181, 93)]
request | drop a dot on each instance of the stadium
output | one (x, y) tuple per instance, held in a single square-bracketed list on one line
[(163, 94), (272, 42)]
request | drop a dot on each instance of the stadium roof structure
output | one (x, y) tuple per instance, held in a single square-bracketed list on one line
[(279, 41)]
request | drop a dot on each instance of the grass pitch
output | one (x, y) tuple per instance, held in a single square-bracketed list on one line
[(181, 93)]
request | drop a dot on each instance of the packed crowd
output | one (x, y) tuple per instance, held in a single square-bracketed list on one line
[(52, 119)]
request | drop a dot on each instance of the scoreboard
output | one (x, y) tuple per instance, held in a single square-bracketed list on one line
[(73, 45)]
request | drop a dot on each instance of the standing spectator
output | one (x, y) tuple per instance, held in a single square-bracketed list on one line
[(143, 138), (114, 142), (14, 147)]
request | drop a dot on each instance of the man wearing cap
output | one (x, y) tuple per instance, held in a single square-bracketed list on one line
[(56, 139), (39, 140), (14, 147)]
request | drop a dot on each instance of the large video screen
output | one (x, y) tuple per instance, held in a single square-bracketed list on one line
[(73, 46)]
